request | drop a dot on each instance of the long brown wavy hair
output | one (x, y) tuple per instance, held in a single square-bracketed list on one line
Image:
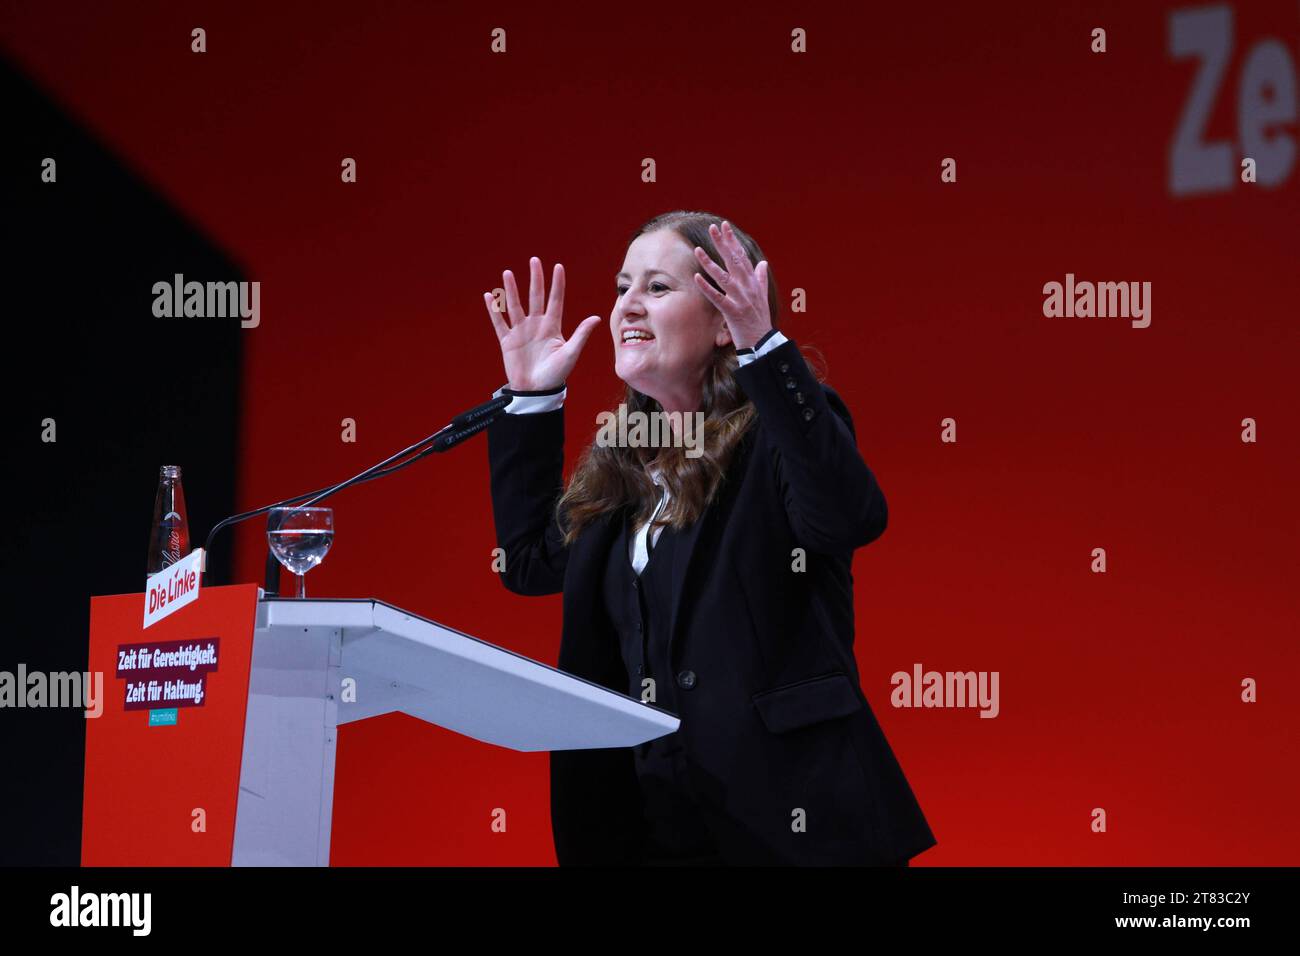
[(612, 477)]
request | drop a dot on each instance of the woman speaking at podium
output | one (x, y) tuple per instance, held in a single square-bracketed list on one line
[(710, 578)]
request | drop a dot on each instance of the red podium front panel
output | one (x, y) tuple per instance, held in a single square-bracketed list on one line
[(163, 759)]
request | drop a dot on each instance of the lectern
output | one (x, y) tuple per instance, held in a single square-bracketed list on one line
[(217, 739)]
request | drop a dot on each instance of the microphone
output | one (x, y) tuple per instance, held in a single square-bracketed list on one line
[(451, 439), (463, 426), (486, 410)]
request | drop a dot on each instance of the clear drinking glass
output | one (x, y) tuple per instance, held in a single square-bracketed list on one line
[(299, 538)]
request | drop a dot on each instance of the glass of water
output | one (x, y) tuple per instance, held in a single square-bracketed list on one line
[(299, 538)]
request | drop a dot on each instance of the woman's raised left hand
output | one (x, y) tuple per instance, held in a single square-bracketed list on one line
[(743, 301)]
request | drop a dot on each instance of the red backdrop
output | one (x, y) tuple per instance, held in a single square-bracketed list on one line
[(1118, 690)]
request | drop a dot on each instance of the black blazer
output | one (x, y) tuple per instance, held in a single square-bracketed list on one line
[(783, 747)]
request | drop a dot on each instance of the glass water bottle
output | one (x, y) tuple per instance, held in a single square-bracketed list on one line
[(170, 539)]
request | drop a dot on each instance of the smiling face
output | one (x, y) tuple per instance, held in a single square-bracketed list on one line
[(678, 327)]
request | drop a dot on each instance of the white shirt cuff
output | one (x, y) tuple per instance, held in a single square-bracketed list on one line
[(775, 340), (532, 404)]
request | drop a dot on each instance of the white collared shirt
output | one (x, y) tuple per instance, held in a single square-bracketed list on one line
[(639, 550)]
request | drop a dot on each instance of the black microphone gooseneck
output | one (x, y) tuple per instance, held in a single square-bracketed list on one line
[(461, 427)]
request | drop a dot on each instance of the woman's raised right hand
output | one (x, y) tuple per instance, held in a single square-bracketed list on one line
[(535, 354)]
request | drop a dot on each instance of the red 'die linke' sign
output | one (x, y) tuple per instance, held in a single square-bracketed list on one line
[(173, 587)]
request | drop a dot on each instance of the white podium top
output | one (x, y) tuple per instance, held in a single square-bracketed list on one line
[(403, 662)]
